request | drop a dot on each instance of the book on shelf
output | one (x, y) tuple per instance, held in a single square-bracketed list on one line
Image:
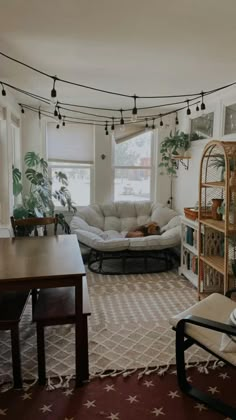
[(190, 261)]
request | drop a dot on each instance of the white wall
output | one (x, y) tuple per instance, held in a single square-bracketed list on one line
[(9, 107), (186, 185)]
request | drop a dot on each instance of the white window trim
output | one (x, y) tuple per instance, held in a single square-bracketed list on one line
[(152, 168), (74, 164)]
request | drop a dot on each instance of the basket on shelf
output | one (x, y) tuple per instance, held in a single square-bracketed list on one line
[(192, 214)]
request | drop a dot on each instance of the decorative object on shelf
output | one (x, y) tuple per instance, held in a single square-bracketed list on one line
[(216, 204), (191, 213), (202, 127), (173, 148), (217, 185), (38, 201)]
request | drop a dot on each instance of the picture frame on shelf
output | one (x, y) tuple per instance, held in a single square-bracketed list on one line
[(202, 127)]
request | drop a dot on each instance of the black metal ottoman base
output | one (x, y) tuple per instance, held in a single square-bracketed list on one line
[(130, 262)]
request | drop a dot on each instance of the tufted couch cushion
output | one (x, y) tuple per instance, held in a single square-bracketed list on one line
[(104, 227)]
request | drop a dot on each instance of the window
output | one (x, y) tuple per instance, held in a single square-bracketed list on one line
[(79, 180), (133, 169), (71, 151)]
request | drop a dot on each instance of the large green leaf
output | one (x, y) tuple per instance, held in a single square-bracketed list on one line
[(31, 159), (62, 178), (16, 178), (44, 166), (36, 178)]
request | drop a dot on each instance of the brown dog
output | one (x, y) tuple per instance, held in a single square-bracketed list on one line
[(144, 230)]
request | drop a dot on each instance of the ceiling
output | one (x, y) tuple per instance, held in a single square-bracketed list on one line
[(151, 47)]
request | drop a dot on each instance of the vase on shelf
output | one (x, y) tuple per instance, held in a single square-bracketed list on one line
[(216, 203)]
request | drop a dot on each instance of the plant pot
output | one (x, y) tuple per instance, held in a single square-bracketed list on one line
[(216, 203)]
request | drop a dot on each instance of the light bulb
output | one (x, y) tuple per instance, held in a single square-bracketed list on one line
[(134, 118)]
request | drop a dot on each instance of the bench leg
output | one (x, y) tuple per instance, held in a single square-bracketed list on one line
[(41, 355), (16, 361), (84, 349)]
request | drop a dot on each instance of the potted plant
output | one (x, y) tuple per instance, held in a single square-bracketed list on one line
[(218, 162), (175, 145), (37, 202)]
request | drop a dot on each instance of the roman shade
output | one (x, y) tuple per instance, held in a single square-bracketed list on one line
[(73, 143)]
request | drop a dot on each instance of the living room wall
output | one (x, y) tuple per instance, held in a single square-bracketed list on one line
[(185, 186)]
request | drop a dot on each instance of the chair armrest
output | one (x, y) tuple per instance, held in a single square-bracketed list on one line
[(229, 292), (206, 323)]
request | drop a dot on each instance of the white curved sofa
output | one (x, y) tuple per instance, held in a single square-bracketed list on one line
[(103, 227)]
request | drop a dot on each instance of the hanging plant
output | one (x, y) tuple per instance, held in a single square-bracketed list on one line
[(174, 145), (38, 201)]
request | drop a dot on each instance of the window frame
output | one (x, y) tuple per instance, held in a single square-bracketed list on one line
[(133, 167), (68, 164)]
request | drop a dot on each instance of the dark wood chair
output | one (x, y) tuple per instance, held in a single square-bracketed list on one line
[(24, 227), (27, 226), (57, 307), (12, 305)]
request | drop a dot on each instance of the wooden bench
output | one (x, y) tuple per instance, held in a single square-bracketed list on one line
[(57, 307)]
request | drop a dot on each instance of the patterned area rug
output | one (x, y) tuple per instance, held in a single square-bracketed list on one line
[(128, 328)]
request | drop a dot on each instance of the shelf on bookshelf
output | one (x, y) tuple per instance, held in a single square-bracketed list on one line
[(218, 225), (190, 248), (215, 261), (214, 184)]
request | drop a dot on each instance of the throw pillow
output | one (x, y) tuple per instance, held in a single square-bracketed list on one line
[(228, 342)]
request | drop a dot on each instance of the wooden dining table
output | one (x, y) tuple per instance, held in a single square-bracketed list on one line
[(47, 262)]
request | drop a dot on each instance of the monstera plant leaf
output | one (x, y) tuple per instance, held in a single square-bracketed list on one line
[(36, 178), (17, 185), (31, 159), (62, 178), (44, 166)]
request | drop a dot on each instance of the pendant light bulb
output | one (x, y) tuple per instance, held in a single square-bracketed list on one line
[(176, 119), (161, 122), (3, 90), (203, 106), (134, 111), (188, 109), (146, 125), (22, 110), (113, 125), (58, 126), (53, 91), (63, 122), (55, 112), (197, 108), (153, 124), (59, 114), (122, 122)]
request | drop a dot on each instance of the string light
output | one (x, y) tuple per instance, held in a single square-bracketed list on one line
[(203, 106), (122, 122), (134, 111), (53, 91), (153, 124), (113, 124), (58, 126), (59, 114), (197, 108), (161, 122), (3, 90), (188, 109), (146, 125), (55, 111), (176, 119), (63, 122), (22, 110)]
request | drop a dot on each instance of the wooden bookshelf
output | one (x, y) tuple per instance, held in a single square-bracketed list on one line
[(214, 261)]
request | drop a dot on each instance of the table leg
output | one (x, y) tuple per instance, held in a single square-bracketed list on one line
[(78, 333)]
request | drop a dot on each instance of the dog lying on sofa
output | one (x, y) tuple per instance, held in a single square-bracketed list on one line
[(145, 230)]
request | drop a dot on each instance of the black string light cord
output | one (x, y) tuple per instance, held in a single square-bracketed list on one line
[(58, 79), (77, 120)]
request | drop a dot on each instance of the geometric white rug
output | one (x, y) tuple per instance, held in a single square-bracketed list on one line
[(128, 328)]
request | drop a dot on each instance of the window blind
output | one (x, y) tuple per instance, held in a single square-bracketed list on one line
[(71, 143), (131, 131)]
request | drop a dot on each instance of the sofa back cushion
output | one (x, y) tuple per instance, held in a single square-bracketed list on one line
[(162, 215), (126, 215), (92, 215)]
